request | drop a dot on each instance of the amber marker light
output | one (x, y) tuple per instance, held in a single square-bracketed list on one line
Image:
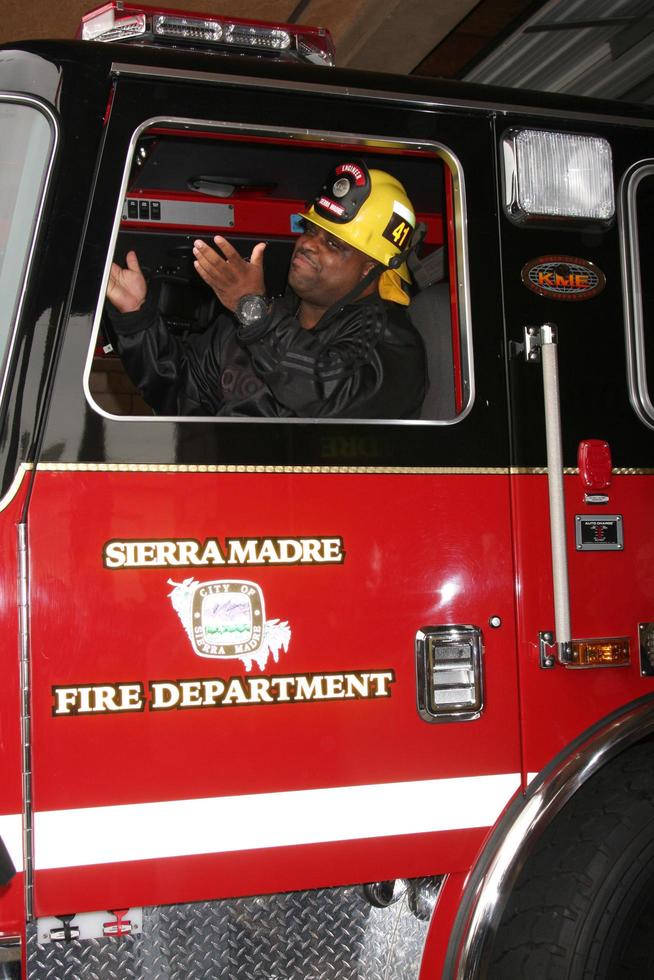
[(609, 651)]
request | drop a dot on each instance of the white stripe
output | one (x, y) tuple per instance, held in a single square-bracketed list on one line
[(136, 832), (404, 212), (11, 831)]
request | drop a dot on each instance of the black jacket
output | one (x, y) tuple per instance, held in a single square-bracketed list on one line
[(366, 362)]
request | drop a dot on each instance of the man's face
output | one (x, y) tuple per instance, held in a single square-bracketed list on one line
[(323, 268)]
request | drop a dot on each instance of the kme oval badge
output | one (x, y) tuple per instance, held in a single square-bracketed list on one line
[(563, 277)]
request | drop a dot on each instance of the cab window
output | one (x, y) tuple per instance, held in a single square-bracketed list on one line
[(186, 181), (26, 144)]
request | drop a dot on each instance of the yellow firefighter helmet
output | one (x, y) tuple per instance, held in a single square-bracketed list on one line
[(369, 210)]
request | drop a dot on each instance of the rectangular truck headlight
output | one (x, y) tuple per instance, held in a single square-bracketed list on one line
[(548, 175)]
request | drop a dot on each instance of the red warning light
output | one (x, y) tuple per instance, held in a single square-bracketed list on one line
[(595, 465)]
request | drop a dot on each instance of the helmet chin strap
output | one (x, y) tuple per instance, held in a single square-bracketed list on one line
[(373, 274)]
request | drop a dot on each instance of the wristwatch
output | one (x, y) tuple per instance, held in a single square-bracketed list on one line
[(251, 309)]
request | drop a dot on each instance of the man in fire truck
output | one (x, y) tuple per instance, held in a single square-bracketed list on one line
[(338, 344)]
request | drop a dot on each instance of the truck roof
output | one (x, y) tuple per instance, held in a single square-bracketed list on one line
[(103, 58)]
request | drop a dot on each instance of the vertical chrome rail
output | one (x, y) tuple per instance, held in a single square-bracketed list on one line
[(555, 484), (25, 716)]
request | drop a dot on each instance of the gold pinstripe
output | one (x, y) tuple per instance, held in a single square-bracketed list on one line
[(251, 468), (369, 470), (200, 468)]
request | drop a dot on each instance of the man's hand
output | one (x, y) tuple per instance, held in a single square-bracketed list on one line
[(229, 275), (127, 288)]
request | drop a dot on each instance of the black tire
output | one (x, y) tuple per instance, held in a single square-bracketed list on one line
[(583, 906)]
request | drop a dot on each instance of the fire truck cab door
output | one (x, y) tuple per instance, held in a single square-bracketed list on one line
[(224, 612), (598, 292)]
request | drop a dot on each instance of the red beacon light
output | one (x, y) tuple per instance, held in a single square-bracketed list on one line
[(595, 465), (118, 21)]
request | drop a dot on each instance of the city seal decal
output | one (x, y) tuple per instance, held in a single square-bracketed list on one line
[(563, 277), (226, 620)]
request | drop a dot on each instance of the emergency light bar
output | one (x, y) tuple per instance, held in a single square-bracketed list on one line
[(117, 21), (557, 175)]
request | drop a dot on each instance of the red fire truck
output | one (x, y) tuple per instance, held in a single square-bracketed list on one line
[(323, 698)]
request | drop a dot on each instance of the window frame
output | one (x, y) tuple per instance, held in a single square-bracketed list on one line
[(639, 395), (327, 138)]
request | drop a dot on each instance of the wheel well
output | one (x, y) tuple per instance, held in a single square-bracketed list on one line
[(581, 906), (516, 836)]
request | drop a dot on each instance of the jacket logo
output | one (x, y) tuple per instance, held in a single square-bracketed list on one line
[(563, 277), (226, 619)]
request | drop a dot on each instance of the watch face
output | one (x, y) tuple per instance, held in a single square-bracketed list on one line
[(251, 308)]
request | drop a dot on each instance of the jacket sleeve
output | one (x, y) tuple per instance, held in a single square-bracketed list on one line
[(175, 376), (320, 372), (359, 365)]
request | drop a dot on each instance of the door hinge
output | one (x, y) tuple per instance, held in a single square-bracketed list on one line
[(546, 650)]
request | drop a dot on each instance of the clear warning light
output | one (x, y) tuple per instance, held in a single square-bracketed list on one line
[(194, 29), (257, 37), (106, 24), (557, 175)]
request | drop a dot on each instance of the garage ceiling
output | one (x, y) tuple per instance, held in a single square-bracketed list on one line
[(600, 48)]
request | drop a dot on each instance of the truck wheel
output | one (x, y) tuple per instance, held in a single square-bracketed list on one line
[(583, 905)]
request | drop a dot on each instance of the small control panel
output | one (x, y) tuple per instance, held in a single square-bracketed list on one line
[(140, 210), (190, 214)]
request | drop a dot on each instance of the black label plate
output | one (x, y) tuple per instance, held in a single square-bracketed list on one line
[(599, 532)]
